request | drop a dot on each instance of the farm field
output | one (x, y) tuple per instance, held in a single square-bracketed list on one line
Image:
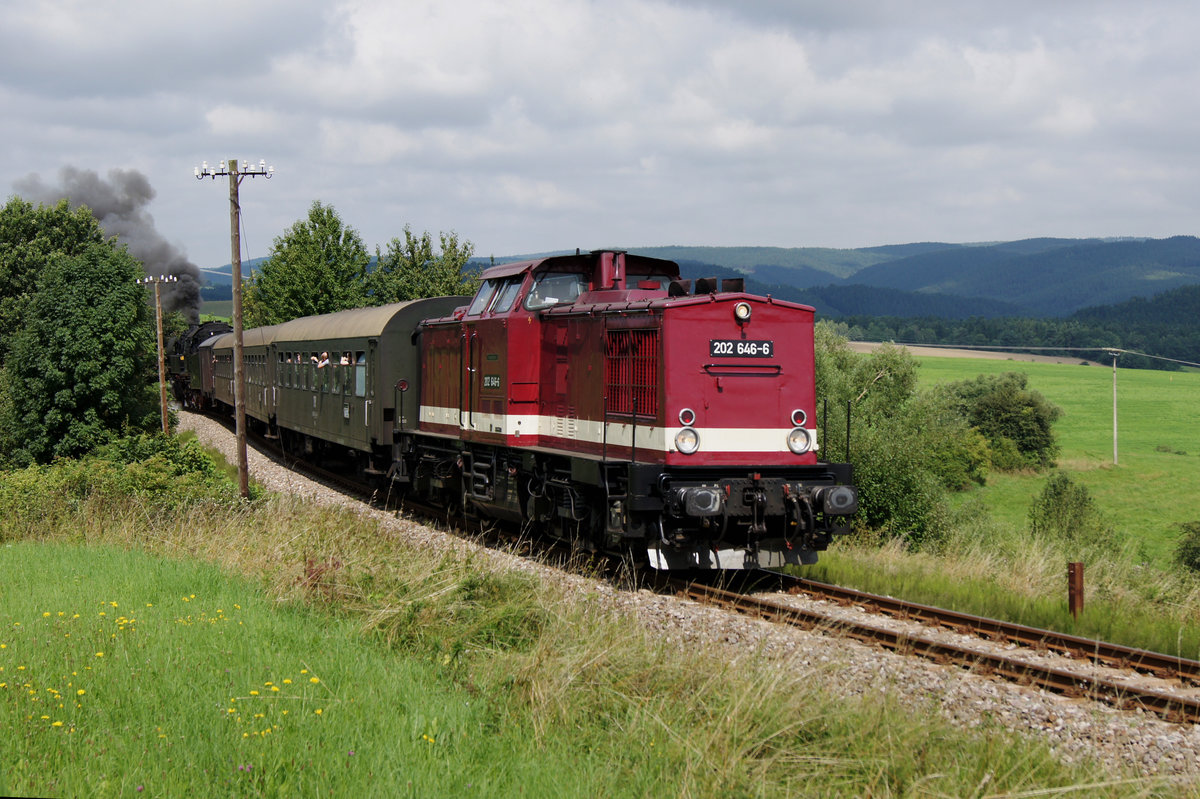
[(1153, 487)]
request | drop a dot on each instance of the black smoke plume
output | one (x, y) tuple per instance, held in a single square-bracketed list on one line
[(119, 204)]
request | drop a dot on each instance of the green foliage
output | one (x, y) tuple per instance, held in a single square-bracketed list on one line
[(30, 238), (1187, 550), (1066, 513), (907, 447), (1016, 420), (317, 266), (79, 368), (409, 269)]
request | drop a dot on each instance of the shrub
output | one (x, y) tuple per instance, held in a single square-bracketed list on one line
[(1012, 417), (1066, 513), (1187, 549)]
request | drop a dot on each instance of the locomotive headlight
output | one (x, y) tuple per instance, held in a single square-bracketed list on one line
[(687, 441), (799, 440), (741, 312)]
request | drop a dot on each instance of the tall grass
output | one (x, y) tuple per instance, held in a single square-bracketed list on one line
[(434, 675)]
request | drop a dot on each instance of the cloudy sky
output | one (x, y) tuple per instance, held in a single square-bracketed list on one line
[(533, 125)]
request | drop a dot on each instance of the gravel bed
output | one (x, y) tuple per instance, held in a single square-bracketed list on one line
[(1074, 728)]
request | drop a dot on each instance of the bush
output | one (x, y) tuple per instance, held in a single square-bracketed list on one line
[(158, 472), (1187, 549), (1066, 513), (1013, 418)]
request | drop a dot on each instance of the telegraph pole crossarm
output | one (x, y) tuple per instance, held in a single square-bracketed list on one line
[(235, 216)]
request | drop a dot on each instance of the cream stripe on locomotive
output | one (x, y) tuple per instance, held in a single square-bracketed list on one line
[(712, 439)]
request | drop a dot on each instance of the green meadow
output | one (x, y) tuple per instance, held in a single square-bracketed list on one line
[(199, 652), (1153, 487)]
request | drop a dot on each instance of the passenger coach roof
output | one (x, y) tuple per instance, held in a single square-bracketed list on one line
[(363, 322), (354, 323)]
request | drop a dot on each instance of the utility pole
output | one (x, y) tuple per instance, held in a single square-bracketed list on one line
[(162, 366), (1114, 354), (235, 224)]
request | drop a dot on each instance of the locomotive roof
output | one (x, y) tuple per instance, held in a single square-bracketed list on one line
[(578, 262)]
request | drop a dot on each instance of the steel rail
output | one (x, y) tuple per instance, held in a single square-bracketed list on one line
[(1166, 705), (1100, 652)]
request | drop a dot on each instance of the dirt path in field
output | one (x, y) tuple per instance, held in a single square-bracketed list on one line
[(944, 352)]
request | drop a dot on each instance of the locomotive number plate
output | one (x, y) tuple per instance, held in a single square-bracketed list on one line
[(723, 348)]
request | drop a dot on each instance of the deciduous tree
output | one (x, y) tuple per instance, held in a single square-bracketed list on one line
[(80, 367), (409, 269), (317, 266)]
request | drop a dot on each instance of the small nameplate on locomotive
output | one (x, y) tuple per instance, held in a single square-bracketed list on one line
[(723, 348)]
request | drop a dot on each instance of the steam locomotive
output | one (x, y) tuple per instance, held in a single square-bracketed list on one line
[(595, 397)]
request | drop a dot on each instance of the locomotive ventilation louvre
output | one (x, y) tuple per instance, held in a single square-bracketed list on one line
[(631, 371)]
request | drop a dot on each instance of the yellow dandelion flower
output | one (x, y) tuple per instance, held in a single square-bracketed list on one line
[(287, 682), (46, 717), (60, 613), (3, 685), (304, 671), (254, 693), (80, 692), (268, 684), (274, 687), (56, 724), (46, 615), (245, 735), (314, 680), (318, 711), (114, 604), (285, 712), (231, 710), (99, 654)]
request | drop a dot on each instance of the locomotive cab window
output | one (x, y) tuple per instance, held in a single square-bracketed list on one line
[(507, 295), (555, 288), (483, 297)]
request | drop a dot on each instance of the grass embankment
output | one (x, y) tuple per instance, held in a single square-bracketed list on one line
[(172, 643), (989, 563)]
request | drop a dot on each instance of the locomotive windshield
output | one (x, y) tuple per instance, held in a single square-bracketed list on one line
[(496, 295), (555, 288)]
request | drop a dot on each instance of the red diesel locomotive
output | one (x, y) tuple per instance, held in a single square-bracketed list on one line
[(601, 398), (594, 397)]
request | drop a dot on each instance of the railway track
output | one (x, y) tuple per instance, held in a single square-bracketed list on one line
[(1118, 693)]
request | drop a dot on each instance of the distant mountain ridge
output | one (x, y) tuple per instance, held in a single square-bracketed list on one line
[(1038, 277)]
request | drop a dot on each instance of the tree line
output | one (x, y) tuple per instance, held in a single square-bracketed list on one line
[(78, 366), (1077, 337), (320, 265)]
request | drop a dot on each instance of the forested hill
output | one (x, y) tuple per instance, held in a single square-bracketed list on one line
[(1054, 281), (1032, 277)]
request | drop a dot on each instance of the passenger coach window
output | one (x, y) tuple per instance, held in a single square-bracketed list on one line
[(360, 374), (555, 289)]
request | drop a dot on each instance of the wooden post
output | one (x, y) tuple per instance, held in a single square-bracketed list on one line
[(1075, 588)]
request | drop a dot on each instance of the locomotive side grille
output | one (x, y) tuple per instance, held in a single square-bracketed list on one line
[(631, 371)]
